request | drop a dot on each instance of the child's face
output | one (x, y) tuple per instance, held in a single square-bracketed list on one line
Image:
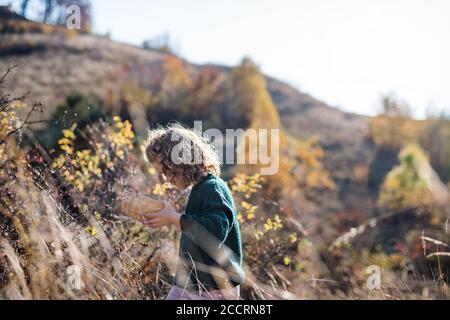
[(178, 182), (175, 180)]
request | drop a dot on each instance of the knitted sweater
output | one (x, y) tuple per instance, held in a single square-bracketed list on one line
[(210, 253)]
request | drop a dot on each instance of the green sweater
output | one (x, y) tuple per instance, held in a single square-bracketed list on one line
[(210, 254)]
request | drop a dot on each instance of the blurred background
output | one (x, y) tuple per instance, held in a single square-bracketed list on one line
[(357, 89)]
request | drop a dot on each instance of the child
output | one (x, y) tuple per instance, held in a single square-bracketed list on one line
[(210, 252)]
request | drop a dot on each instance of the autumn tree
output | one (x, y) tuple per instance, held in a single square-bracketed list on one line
[(310, 171), (206, 98), (251, 103), (393, 107), (175, 82), (393, 127), (171, 91), (408, 184), (252, 107), (391, 130), (161, 43)]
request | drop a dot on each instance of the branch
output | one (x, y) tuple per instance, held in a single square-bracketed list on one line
[(5, 100), (8, 70), (25, 122)]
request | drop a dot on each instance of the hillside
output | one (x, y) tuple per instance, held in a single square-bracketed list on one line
[(54, 63), (348, 191)]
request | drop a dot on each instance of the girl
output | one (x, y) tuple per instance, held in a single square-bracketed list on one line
[(210, 252)]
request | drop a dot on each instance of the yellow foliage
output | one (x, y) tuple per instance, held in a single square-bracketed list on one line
[(249, 209), (160, 189), (252, 99), (91, 230), (246, 184), (175, 79), (286, 260), (310, 171), (80, 168), (405, 185), (395, 131), (8, 121)]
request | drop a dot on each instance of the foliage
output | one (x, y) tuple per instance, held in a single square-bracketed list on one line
[(310, 171), (205, 100), (58, 210), (84, 169), (171, 91), (159, 43), (118, 258), (175, 81), (406, 185), (251, 103), (43, 247), (393, 129), (76, 108), (269, 245), (394, 132), (393, 107)]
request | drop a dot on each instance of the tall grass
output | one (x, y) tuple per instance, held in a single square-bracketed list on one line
[(63, 235)]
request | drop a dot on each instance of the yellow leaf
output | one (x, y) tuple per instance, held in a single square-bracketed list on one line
[(91, 230), (69, 134)]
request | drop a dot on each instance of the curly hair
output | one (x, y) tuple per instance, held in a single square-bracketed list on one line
[(183, 152)]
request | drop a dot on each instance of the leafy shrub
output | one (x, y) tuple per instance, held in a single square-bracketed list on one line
[(407, 185), (76, 109)]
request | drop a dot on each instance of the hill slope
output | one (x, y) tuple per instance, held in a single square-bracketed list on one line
[(53, 62)]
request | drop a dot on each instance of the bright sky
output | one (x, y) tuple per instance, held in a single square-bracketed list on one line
[(346, 53)]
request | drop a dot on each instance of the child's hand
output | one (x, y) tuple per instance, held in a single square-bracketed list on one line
[(166, 216)]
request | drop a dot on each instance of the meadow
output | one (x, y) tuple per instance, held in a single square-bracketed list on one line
[(359, 208)]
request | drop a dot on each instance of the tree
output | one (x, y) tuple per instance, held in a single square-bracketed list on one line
[(205, 98), (390, 131), (24, 7), (394, 107), (251, 103), (409, 183), (49, 7), (175, 82), (160, 43), (393, 127), (170, 92), (310, 171), (252, 107)]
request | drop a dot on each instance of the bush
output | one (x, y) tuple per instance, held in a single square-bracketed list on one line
[(76, 109)]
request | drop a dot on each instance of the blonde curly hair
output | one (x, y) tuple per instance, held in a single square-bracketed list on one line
[(183, 152)]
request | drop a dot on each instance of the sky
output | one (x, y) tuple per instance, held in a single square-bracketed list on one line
[(346, 53)]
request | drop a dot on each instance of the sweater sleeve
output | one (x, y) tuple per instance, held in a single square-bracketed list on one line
[(212, 223)]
